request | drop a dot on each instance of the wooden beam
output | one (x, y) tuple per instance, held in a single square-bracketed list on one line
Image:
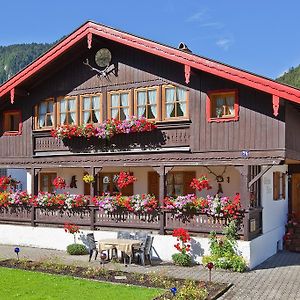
[(89, 40), (12, 95), (187, 73), (275, 100), (259, 175), (245, 197)]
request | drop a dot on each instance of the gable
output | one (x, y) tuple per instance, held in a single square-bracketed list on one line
[(188, 61)]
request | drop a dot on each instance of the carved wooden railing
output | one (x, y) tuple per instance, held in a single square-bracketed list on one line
[(165, 136), (92, 217)]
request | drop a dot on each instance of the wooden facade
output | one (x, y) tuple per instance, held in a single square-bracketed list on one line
[(187, 141)]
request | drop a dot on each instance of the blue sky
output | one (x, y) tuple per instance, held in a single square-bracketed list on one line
[(261, 36)]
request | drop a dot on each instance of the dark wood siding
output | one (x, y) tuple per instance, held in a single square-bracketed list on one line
[(257, 129), (292, 131)]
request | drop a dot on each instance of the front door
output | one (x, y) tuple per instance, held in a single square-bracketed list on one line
[(296, 193)]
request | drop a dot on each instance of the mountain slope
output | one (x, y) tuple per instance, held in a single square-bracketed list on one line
[(292, 77), (15, 57)]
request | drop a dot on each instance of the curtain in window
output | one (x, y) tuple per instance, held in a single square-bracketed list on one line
[(124, 103), (63, 111), (50, 108), (230, 104), (72, 110), (219, 106), (86, 109), (152, 102), (170, 103), (114, 105), (141, 99), (181, 97), (96, 107), (42, 114)]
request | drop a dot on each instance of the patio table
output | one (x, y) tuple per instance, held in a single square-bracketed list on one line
[(123, 245)]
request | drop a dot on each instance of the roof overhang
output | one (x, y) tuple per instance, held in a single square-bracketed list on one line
[(188, 60)]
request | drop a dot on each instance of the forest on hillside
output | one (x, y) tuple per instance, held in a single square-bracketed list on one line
[(292, 77), (13, 58)]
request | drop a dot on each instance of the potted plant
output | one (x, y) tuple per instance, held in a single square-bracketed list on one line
[(74, 249), (87, 178), (183, 258)]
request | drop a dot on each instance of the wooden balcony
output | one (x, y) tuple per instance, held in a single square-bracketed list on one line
[(166, 136), (93, 218)]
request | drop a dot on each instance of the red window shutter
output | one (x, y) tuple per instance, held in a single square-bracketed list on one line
[(153, 184)]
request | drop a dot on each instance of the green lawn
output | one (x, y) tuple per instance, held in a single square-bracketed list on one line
[(20, 284)]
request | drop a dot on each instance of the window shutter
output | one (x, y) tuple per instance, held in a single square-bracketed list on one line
[(187, 179), (283, 187), (128, 190), (153, 184), (276, 185)]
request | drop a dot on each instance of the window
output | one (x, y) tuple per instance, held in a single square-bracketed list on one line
[(175, 102), (44, 114), (46, 182), (279, 188), (146, 102), (12, 124), (175, 184), (178, 183), (67, 113), (90, 108), (108, 185), (222, 106), (119, 105)]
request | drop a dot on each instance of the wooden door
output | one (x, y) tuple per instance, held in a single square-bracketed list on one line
[(296, 194)]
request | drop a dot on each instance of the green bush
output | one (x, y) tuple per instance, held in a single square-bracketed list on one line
[(182, 259), (224, 250), (77, 249), (190, 291)]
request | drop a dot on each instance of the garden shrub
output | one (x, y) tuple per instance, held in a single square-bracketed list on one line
[(77, 249), (224, 250), (182, 259)]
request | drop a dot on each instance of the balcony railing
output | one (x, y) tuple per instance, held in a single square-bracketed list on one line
[(93, 218), (165, 136)]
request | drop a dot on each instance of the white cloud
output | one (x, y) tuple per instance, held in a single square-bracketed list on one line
[(196, 17), (224, 43), (216, 25)]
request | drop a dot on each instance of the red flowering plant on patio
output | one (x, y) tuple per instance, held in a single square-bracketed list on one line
[(182, 258), (59, 182), (200, 183), (8, 183), (125, 179), (71, 228)]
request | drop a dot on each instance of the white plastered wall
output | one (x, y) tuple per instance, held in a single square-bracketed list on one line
[(57, 238), (274, 218)]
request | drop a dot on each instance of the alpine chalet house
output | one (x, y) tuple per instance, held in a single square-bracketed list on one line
[(238, 128)]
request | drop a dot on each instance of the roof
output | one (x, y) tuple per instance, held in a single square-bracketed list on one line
[(188, 60)]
